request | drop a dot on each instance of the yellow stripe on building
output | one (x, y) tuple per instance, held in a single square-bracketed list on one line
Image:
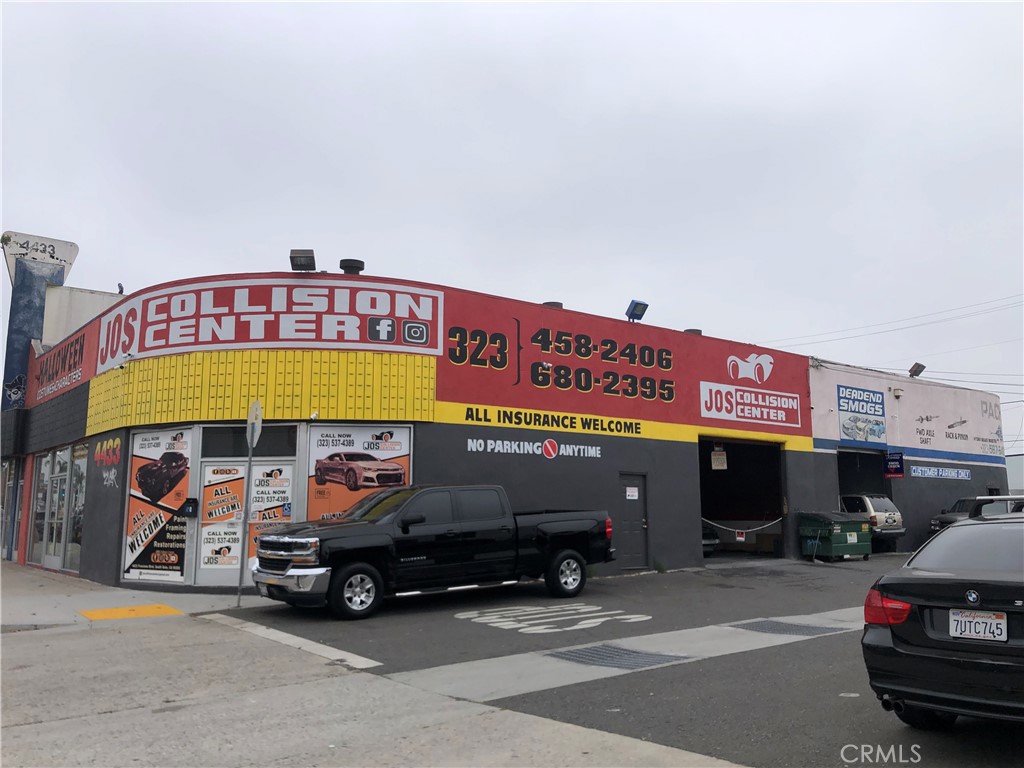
[(490, 415), (291, 385)]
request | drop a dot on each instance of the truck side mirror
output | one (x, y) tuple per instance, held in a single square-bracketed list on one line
[(413, 519)]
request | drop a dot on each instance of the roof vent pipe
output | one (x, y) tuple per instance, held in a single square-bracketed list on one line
[(352, 266), (694, 331), (554, 304)]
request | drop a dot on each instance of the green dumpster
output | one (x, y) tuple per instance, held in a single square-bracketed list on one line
[(831, 535)]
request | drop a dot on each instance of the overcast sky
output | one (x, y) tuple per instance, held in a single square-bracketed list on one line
[(761, 171)]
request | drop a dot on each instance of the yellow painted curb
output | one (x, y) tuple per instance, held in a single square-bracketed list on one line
[(131, 612)]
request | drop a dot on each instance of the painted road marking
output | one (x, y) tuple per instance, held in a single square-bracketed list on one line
[(498, 678), (131, 612), (534, 620), (294, 641)]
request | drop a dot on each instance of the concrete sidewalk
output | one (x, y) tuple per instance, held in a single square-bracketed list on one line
[(175, 690), (31, 598)]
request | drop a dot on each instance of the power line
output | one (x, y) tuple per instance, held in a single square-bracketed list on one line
[(905, 319), (973, 381), (921, 356), (955, 373), (900, 328)]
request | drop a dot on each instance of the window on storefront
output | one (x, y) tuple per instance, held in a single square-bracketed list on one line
[(76, 509), (230, 442), (40, 488)]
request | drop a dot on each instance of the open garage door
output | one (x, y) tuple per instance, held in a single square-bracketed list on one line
[(740, 491), (863, 472)]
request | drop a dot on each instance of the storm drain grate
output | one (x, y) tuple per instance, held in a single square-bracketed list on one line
[(784, 628), (613, 656)]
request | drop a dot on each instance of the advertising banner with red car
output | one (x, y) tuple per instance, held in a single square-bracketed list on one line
[(155, 533), (346, 462)]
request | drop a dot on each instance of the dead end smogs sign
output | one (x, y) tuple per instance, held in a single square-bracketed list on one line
[(277, 311), (509, 363), (155, 533)]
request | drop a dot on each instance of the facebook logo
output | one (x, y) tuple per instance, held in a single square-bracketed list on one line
[(381, 329)]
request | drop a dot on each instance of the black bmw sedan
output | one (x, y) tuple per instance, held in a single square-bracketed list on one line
[(944, 634)]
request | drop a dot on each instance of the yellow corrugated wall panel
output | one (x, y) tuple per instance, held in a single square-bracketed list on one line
[(290, 384)]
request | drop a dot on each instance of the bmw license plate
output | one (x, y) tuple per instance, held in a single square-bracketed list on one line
[(978, 625)]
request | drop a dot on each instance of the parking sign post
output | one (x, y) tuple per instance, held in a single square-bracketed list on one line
[(253, 427)]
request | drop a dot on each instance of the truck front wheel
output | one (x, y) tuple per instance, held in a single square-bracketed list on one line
[(356, 591), (566, 574)]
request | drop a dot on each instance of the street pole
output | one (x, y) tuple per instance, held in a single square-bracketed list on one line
[(253, 427)]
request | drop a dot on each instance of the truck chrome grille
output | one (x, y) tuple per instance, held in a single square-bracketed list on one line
[(275, 564), (281, 544)]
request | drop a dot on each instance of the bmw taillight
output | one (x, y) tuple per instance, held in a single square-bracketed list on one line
[(608, 528), (879, 609)]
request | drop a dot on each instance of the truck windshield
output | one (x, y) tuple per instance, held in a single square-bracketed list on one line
[(376, 506)]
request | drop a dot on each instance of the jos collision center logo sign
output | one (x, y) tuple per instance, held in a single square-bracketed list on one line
[(549, 448), (329, 313)]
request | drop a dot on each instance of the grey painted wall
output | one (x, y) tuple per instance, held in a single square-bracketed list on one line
[(58, 422), (106, 486), (568, 482), (921, 498), (811, 485)]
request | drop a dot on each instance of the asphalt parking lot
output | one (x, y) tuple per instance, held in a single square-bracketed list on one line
[(678, 667)]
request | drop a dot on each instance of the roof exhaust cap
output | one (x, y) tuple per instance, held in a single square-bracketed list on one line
[(694, 331), (352, 266)]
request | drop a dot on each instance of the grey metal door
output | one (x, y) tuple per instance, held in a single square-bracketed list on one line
[(629, 534)]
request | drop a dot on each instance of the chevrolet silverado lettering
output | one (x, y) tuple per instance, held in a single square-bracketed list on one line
[(414, 539)]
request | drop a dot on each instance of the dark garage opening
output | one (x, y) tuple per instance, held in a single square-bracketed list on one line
[(745, 494), (863, 472)]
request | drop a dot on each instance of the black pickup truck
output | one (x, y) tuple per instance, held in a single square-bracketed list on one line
[(425, 538)]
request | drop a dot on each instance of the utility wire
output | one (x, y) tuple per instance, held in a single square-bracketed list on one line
[(974, 381), (900, 328), (905, 319), (922, 356)]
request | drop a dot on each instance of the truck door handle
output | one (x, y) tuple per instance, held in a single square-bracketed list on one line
[(506, 528), (451, 532)]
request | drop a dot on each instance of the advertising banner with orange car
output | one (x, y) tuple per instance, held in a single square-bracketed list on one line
[(346, 462), (155, 533)]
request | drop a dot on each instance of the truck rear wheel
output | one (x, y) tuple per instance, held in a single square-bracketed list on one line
[(566, 574), (356, 591)]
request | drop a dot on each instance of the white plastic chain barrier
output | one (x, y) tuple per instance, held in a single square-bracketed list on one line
[(744, 530)]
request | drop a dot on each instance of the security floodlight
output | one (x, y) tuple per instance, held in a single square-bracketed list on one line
[(916, 370), (636, 310), (303, 260)]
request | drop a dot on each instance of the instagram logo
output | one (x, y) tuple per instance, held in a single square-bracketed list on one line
[(415, 332)]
